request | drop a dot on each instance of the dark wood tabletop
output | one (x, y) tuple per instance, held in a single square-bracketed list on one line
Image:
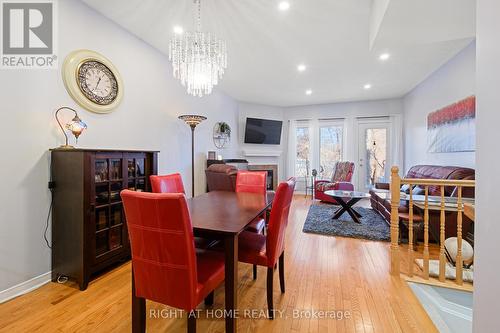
[(224, 215), (226, 212)]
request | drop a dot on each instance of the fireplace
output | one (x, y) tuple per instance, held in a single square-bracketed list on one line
[(272, 174)]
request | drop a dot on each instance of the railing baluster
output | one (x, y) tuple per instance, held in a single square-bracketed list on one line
[(459, 261), (426, 233), (395, 189), (395, 197), (442, 257), (410, 234)]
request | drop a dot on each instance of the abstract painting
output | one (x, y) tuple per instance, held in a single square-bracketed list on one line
[(453, 128)]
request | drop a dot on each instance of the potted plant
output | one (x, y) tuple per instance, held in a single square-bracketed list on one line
[(224, 129)]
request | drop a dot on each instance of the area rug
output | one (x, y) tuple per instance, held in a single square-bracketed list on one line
[(319, 221)]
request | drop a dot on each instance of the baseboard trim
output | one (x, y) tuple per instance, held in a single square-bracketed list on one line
[(24, 287)]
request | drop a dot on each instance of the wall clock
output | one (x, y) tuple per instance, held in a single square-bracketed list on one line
[(92, 81)]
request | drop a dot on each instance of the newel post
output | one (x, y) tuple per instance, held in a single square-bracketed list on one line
[(395, 197)]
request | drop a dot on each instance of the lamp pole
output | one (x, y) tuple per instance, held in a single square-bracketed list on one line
[(192, 121), (192, 159)]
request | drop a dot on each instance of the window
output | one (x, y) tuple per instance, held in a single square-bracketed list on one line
[(330, 147), (376, 156), (315, 145), (303, 151)]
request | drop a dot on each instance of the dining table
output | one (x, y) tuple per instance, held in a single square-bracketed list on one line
[(224, 215)]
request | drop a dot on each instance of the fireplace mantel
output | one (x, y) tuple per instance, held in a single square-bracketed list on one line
[(262, 153)]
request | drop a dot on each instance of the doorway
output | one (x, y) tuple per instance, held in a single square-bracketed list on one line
[(374, 142)]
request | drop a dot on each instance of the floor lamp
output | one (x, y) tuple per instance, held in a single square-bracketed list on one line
[(193, 121)]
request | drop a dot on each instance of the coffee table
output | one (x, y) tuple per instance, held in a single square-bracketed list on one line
[(347, 199)]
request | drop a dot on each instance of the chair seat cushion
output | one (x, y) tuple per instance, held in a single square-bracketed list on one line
[(256, 225), (210, 269), (325, 186), (252, 248)]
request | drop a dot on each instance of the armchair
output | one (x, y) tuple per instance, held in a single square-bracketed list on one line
[(221, 177), (341, 180)]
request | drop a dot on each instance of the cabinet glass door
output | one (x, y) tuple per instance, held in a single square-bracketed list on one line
[(109, 222)]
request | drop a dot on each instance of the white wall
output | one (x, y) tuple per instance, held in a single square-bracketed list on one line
[(487, 262), (452, 82), (251, 110), (146, 119)]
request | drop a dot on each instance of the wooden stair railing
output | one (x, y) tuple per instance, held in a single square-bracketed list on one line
[(396, 182)]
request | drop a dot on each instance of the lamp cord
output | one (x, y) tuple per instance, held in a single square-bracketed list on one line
[(49, 213), (48, 219)]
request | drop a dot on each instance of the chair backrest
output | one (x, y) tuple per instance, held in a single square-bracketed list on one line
[(162, 244), (343, 172), (251, 181), (278, 221), (167, 183)]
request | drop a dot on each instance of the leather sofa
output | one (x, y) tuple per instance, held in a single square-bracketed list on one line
[(221, 177), (381, 203)]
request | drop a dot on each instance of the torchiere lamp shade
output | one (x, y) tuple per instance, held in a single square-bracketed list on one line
[(192, 119)]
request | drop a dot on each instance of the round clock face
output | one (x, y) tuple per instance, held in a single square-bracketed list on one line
[(97, 82)]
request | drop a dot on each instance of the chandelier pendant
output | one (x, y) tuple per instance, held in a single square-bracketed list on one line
[(198, 58)]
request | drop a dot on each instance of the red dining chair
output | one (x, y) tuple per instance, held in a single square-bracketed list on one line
[(258, 249), (253, 182), (167, 184), (173, 184), (166, 267)]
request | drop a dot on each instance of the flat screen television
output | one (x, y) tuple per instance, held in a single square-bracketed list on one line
[(263, 131)]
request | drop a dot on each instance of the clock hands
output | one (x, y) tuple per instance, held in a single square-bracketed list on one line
[(97, 85)]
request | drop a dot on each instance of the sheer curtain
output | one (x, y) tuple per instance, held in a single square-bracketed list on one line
[(292, 148)]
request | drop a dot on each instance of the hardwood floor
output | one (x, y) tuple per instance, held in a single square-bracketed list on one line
[(347, 277)]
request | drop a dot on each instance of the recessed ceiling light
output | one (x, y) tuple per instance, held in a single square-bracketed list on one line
[(178, 29), (309, 92), (284, 5), (301, 67), (384, 56), (367, 86)]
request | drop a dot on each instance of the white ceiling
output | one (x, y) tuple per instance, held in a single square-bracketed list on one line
[(338, 40)]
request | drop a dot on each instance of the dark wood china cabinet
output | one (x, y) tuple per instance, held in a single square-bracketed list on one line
[(89, 232)]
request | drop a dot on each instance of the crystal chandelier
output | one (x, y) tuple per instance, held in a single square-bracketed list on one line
[(198, 58)]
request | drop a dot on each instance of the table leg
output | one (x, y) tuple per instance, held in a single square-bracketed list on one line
[(338, 213), (356, 213), (231, 278), (353, 215), (347, 207), (341, 210), (138, 311)]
